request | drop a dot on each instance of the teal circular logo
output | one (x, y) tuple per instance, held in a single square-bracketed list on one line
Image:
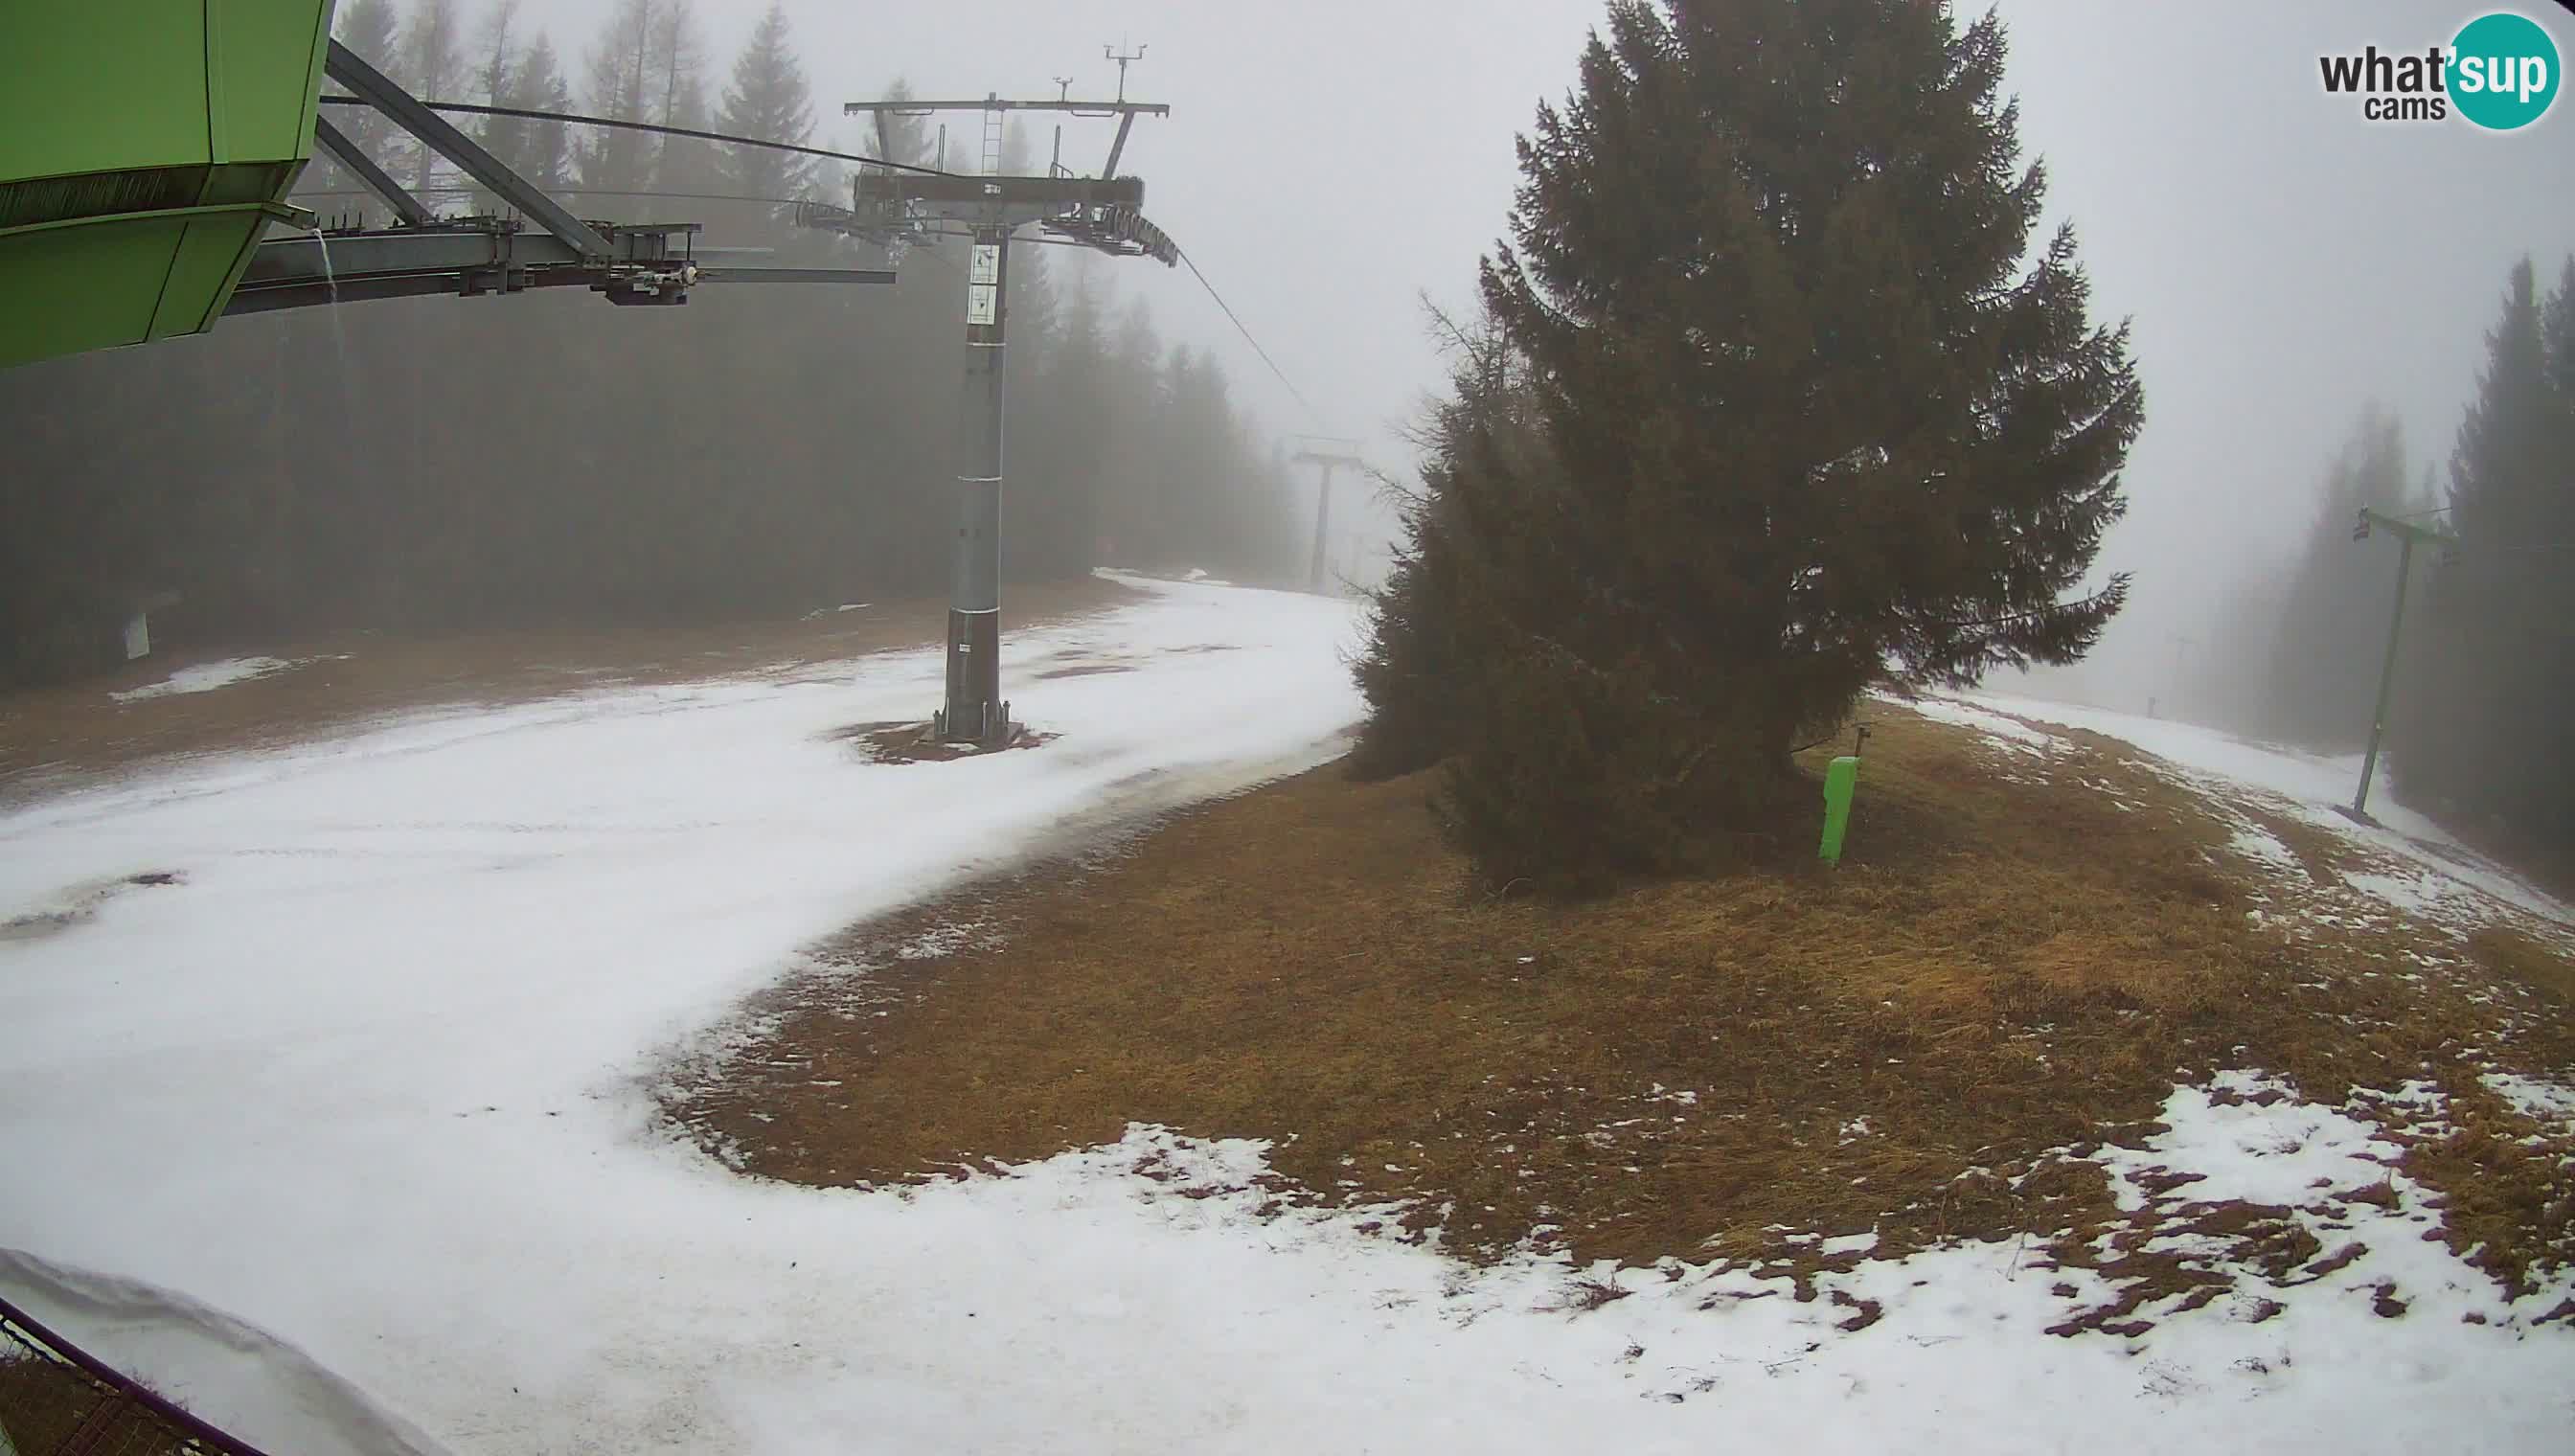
[(2503, 71)]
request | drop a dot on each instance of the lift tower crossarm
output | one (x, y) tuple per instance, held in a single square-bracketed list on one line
[(1076, 108), (376, 179), (2422, 535), (1125, 111), (441, 136)]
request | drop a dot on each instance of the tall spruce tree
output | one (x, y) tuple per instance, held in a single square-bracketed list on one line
[(496, 58), (544, 150), (768, 99), (620, 72), (1806, 418), (433, 65)]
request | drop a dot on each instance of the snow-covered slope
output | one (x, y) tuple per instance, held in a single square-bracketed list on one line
[(368, 1084)]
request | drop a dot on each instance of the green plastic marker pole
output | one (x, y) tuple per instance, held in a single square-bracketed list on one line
[(1840, 781)]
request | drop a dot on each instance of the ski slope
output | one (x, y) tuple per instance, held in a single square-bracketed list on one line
[(2441, 877), (344, 1136)]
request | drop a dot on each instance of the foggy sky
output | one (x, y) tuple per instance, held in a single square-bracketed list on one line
[(2282, 259)]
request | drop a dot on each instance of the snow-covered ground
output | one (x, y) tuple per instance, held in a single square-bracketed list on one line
[(344, 1136), (207, 677)]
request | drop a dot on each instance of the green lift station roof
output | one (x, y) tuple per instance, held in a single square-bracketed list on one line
[(144, 148)]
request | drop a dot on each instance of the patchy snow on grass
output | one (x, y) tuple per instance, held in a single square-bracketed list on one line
[(2465, 889), (2551, 1104), (2261, 846), (1998, 730), (2281, 1152), (207, 677), (2381, 1279), (945, 941), (2420, 892)]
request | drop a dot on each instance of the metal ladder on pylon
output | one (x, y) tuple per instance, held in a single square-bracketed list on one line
[(993, 143)]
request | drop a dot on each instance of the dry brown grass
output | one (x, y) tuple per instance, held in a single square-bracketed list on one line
[(2000, 977), (2520, 957), (54, 734)]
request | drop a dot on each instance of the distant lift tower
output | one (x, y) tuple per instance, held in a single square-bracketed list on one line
[(899, 210), (2411, 534), (1330, 453)]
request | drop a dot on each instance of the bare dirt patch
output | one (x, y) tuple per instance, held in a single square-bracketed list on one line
[(59, 736), (2005, 973), (77, 905), (912, 742), (1088, 669)]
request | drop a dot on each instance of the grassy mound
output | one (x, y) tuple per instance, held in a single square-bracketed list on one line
[(2020, 957)]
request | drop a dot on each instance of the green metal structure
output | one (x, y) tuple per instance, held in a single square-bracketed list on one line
[(1842, 781), (2410, 534), (145, 147)]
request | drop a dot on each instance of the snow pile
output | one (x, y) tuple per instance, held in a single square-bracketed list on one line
[(207, 677)]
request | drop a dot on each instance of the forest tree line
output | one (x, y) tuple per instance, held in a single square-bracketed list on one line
[(2485, 681), (441, 463)]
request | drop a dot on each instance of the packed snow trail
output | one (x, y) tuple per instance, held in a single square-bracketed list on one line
[(369, 1083)]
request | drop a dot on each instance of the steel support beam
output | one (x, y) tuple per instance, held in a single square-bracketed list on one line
[(993, 103), (1118, 148), (1103, 213), (1322, 519), (2386, 683), (439, 135), (1328, 459), (1032, 193), (796, 275), (296, 270), (376, 179), (974, 712), (2410, 534)]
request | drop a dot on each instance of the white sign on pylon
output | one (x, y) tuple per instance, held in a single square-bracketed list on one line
[(984, 284)]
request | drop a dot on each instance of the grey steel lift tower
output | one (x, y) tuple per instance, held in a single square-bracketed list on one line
[(898, 210), (1330, 453)]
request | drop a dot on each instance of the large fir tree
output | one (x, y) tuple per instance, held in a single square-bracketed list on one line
[(768, 99), (1806, 415), (432, 64)]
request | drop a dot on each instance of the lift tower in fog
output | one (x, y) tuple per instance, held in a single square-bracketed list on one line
[(987, 208), (1330, 453)]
